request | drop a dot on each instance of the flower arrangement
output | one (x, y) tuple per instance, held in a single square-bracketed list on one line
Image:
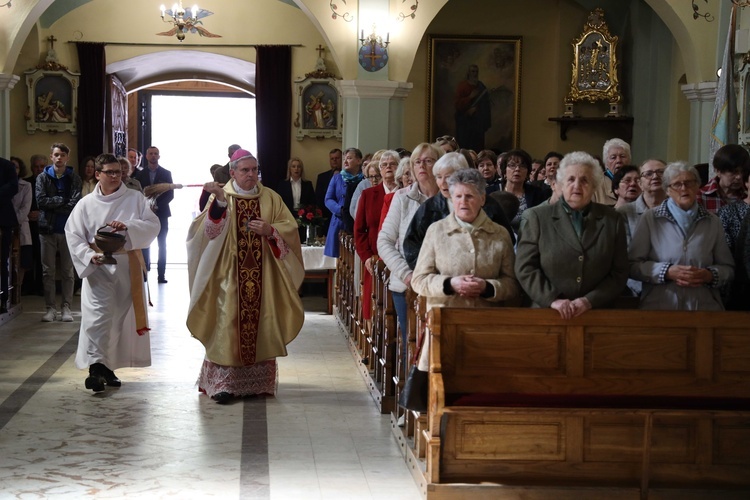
[(310, 216)]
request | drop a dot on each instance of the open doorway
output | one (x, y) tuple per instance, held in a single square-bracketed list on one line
[(192, 133)]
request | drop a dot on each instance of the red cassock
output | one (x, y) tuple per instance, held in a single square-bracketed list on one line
[(366, 228)]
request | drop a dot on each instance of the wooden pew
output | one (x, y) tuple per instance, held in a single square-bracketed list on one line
[(637, 401)]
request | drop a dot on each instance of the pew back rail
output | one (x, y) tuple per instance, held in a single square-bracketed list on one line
[(630, 398)]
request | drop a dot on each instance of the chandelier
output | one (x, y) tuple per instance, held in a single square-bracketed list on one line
[(182, 24)]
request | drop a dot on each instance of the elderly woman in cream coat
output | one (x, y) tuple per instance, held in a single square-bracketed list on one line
[(678, 249), (466, 259)]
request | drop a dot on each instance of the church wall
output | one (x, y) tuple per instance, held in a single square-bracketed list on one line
[(547, 27), (244, 23), (650, 73)]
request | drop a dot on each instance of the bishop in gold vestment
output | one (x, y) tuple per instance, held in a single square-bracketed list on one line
[(245, 267)]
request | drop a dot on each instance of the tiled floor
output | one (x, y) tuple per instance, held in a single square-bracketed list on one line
[(156, 437)]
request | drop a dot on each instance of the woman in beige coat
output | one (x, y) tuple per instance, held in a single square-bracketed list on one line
[(466, 260)]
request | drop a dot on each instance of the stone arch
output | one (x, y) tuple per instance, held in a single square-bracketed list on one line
[(159, 67)]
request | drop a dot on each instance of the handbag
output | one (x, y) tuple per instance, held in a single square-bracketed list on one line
[(414, 395)]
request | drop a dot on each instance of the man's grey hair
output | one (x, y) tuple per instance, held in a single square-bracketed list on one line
[(581, 158), (450, 161), (616, 143), (676, 168), (467, 177)]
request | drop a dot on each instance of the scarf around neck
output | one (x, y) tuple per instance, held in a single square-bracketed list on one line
[(351, 178)]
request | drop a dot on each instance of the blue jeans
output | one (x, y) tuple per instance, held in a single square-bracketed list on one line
[(399, 302)]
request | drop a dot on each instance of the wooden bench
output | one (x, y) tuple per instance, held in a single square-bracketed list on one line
[(637, 400)]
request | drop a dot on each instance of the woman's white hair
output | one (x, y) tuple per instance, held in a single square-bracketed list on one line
[(581, 158), (615, 143), (403, 166), (675, 168), (450, 161), (467, 177), (389, 154)]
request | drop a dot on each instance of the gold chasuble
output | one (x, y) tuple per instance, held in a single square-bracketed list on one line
[(244, 305)]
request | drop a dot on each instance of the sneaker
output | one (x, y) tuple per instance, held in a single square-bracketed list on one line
[(50, 315), (66, 315)]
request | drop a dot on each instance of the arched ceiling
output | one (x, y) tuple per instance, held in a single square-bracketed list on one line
[(61, 7), (142, 71)]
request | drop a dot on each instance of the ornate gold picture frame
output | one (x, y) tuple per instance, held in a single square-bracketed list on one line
[(595, 66)]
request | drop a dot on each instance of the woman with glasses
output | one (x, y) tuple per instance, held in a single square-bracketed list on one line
[(515, 168), (367, 181), (402, 208), (625, 185), (679, 251), (652, 194), (367, 221), (403, 173)]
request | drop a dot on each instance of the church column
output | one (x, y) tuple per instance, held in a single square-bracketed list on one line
[(373, 114), (7, 82), (701, 97)]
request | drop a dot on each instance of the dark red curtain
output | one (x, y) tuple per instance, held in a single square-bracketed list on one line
[(273, 94), (91, 99)]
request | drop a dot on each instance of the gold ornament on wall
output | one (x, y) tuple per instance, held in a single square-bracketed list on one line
[(594, 72)]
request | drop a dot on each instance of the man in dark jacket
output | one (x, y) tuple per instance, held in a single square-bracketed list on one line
[(153, 173), (322, 182), (58, 189)]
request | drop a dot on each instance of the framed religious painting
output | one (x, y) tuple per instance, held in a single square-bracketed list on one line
[(475, 90), (52, 100), (595, 64), (319, 113)]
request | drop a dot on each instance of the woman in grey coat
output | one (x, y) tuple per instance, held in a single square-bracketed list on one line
[(572, 255), (678, 249)]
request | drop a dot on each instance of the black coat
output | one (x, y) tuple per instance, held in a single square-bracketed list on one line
[(307, 197), (162, 201), (435, 209), (8, 189), (534, 194)]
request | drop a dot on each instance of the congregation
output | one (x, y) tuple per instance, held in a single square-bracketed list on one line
[(570, 232)]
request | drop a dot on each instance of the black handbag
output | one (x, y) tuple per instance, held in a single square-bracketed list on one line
[(414, 395)]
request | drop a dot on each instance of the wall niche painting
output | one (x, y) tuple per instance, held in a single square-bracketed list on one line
[(53, 100)]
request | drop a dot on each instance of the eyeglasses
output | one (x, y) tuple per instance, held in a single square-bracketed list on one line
[(426, 161), (650, 173), (515, 166), (445, 138), (374, 177), (683, 184), (111, 173), (629, 180)]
